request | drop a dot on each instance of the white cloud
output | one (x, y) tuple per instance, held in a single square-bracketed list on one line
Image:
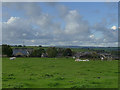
[(75, 24), (24, 34), (63, 10), (12, 20), (113, 27), (108, 35), (15, 29), (92, 36), (32, 41)]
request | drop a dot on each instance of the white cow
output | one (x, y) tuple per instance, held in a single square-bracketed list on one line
[(73, 57), (102, 58), (12, 58), (86, 60), (77, 60)]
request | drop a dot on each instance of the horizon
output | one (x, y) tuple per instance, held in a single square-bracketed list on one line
[(60, 46)]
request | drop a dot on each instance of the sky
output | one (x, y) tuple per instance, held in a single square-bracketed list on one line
[(60, 23)]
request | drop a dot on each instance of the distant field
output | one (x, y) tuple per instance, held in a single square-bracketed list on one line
[(59, 73)]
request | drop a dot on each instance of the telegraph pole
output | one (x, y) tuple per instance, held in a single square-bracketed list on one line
[(23, 43)]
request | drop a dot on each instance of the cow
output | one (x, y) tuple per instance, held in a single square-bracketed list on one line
[(12, 58), (77, 60)]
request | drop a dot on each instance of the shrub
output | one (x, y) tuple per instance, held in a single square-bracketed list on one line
[(67, 52), (37, 53), (52, 52)]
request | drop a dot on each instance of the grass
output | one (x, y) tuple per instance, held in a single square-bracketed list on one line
[(58, 73)]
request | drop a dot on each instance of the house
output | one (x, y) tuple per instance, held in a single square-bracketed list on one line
[(105, 56), (116, 57), (22, 52), (77, 55), (44, 55), (82, 54)]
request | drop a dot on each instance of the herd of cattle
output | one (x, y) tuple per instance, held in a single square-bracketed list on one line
[(77, 60)]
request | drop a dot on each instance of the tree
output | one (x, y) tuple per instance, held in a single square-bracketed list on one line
[(52, 52), (60, 50), (95, 55), (37, 52), (40, 45), (67, 52), (7, 50), (19, 45)]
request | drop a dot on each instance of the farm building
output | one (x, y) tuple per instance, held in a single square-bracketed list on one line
[(22, 52), (106, 56), (102, 56), (44, 55), (78, 55), (82, 54)]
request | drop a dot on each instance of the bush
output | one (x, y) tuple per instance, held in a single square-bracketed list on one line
[(37, 53), (67, 52), (7, 50), (52, 52)]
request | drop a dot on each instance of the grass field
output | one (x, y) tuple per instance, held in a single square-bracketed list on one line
[(59, 73)]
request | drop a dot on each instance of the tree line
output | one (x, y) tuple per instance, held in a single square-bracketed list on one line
[(54, 52), (50, 51)]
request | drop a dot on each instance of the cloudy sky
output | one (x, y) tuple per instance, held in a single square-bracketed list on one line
[(62, 23)]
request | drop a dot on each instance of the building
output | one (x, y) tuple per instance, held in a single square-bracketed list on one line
[(82, 54), (22, 52), (44, 55), (105, 56)]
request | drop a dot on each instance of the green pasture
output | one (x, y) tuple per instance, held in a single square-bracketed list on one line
[(58, 73)]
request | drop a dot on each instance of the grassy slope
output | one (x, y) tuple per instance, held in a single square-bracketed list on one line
[(58, 73)]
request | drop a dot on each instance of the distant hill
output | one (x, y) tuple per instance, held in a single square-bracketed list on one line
[(88, 47)]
